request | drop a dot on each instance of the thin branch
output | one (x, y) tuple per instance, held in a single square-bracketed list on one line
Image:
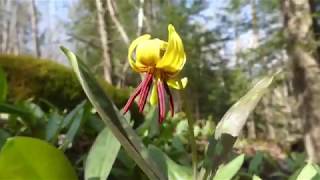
[(86, 41), (117, 23), (34, 24)]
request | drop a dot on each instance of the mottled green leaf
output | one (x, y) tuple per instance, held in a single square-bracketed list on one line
[(174, 170), (255, 177), (11, 109), (307, 173), (53, 126), (29, 158), (112, 117), (79, 114), (235, 118), (226, 172), (102, 155), (255, 163)]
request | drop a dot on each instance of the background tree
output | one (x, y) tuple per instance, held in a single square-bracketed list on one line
[(301, 48), (35, 29)]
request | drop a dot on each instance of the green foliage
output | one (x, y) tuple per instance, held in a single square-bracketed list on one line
[(102, 155), (113, 119), (172, 169), (235, 118), (151, 161), (29, 158), (229, 170), (308, 172)]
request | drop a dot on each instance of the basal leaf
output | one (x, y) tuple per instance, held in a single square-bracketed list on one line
[(29, 158), (255, 177), (235, 118), (79, 114), (174, 170), (226, 172), (102, 155), (113, 118), (307, 173), (53, 126)]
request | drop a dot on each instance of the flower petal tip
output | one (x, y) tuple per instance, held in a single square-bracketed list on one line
[(171, 28)]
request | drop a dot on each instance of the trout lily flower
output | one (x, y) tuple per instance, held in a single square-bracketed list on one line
[(161, 62)]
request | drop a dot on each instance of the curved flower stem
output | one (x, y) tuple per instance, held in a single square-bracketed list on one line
[(187, 109)]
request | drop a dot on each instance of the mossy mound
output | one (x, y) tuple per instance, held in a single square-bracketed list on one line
[(29, 77)]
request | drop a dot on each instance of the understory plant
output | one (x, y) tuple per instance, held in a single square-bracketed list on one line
[(162, 61)]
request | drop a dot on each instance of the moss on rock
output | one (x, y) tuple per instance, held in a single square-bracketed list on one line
[(29, 77)]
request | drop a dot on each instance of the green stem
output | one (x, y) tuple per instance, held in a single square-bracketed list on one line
[(191, 135), (193, 147)]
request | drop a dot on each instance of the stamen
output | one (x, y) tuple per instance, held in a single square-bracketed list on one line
[(170, 98), (145, 91), (161, 101), (133, 97)]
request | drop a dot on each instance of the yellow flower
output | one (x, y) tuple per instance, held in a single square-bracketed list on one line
[(161, 62)]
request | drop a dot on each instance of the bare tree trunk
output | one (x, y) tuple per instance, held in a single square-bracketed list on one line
[(251, 125), (306, 71), (12, 45), (255, 27), (5, 26), (34, 24), (140, 17), (314, 4), (107, 67), (124, 35), (237, 40)]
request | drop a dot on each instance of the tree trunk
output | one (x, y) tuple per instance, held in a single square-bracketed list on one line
[(254, 23), (140, 17), (107, 68), (314, 5), (13, 38), (300, 37), (34, 24), (6, 5)]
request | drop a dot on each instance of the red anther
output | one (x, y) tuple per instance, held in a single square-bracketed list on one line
[(161, 101), (170, 98), (144, 92), (132, 98)]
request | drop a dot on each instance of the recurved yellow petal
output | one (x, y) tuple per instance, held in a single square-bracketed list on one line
[(138, 67), (154, 95), (174, 58), (178, 83)]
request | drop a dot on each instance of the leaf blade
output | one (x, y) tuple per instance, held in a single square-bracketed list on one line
[(30, 158), (229, 170), (112, 118), (102, 155), (235, 118)]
